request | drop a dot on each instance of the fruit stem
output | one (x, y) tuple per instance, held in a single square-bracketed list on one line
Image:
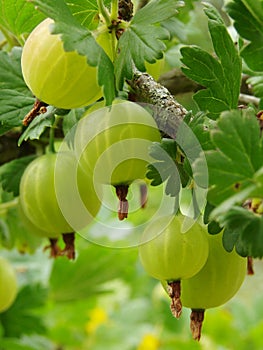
[(69, 250), (250, 269), (196, 322), (55, 250), (143, 195), (38, 108), (121, 192), (114, 10), (104, 12), (175, 295)]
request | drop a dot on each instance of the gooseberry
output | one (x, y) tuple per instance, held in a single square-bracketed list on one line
[(8, 284), (112, 144), (168, 253), (55, 76), (56, 195), (216, 283)]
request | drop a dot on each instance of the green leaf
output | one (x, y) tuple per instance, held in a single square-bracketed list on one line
[(20, 237), (86, 276), (167, 167), (32, 342), (252, 191), (14, 106), (76, 37), (20, 318), (15, 98), (248, 21), (19, 16), (200, 124), (38, 126), (10, 173), (10, 71), (71, 119), (221, 76), (143, 39), (212, 226), (230, 238), (237, 156), (86, 11), (249, 228), (5, 235)]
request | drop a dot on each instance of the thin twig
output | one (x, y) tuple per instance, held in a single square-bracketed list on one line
[(249, 99)]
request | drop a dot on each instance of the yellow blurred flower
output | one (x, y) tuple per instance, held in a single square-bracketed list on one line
[(98, 316), (149, 342)]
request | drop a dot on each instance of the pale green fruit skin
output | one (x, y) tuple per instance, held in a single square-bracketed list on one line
[(56, 77), (8, 284), (33, 229), (218, 281), (113, 144), (171, 255), (48, 177)]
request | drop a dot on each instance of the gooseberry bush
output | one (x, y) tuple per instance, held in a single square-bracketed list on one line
[(136, 125)]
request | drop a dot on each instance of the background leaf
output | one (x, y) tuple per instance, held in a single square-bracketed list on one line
[(247, 228), (10, 173), (16, 100), (84, 278), (251, 13), (22, 309), (232, 165), (221, 76), (19, 16)]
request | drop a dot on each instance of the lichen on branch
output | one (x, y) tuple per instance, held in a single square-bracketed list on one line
[(167, 112)]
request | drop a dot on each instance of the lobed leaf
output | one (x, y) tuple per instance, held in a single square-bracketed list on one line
[(37, 126), (221, 75), (15, 98), (237, 154), (143, 39), (167, 168), (247, 228), (29, 298), (18, 16), (14, 105), (248, 21), (10, 71)]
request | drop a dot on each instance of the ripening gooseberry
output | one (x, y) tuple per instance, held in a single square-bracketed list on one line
[(8, 284), (167, 253), (57, 77)]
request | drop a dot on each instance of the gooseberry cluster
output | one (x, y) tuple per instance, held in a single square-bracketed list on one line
[(193, 267), (61, 193), (57, 191)]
